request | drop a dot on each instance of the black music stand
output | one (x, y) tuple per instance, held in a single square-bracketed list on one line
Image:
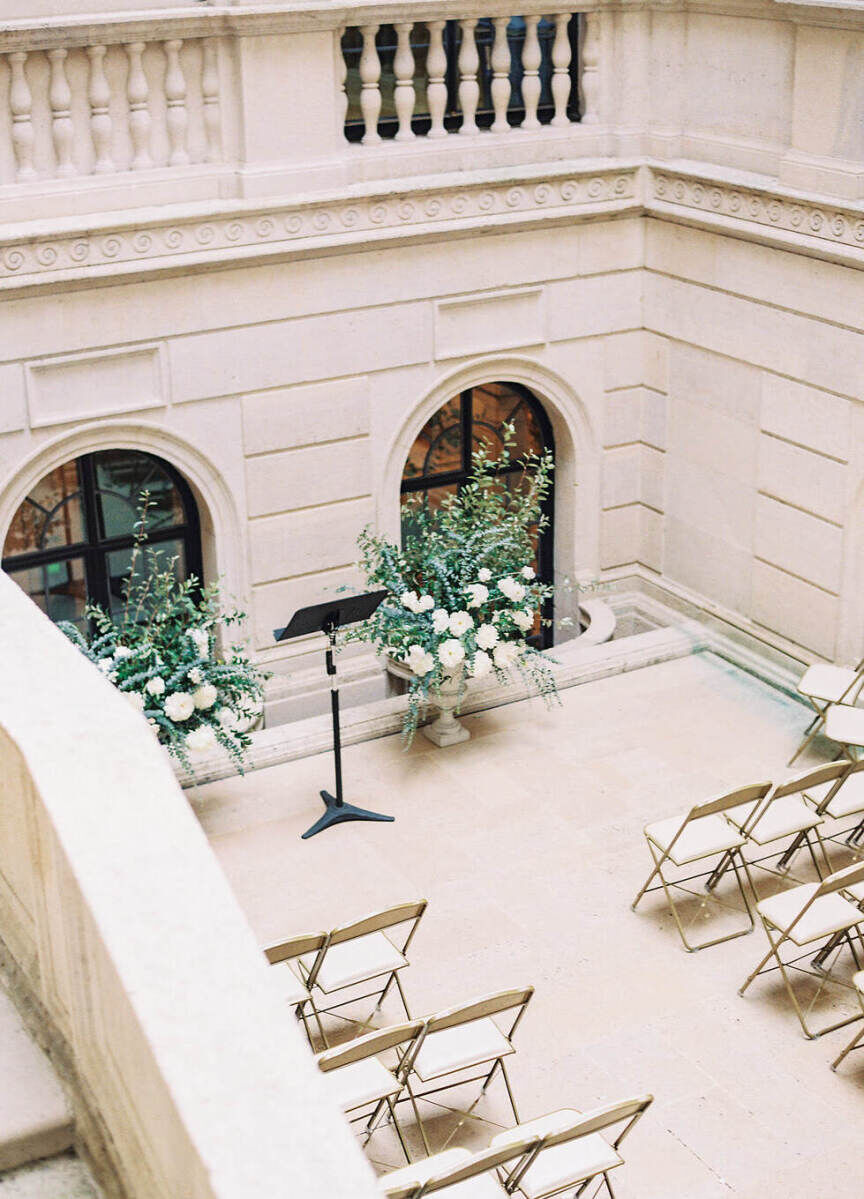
[(328, 618)]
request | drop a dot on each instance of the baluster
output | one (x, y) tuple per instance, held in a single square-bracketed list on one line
[(501, 76), (469, 88), (531, 57), (210, 98), (561, 82), (436, 65), (60, 98), (344, 98), (99, 97), (590, 73), (21, 106), (137, 95), (403, 68), (370, 95), (176, 118)]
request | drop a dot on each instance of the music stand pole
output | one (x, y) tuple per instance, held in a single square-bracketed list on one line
[(328, 618)]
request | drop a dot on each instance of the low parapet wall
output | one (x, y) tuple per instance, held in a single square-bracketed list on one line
[(189, 1077)]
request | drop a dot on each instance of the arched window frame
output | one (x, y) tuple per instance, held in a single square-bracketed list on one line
[(546, 546), (95, 550)]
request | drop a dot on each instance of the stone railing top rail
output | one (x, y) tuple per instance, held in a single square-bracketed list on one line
[(256, 20)]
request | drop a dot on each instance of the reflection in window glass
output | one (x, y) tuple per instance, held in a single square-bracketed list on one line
[(58, 588)]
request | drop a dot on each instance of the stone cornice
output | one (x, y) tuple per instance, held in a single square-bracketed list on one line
[(91, 251), (210, 236)]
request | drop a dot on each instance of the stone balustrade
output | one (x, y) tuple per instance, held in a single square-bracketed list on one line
[(438, 77), (99, 109)]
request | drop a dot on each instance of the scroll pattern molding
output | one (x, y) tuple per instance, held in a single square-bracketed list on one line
[(332, 221), (843, 225)]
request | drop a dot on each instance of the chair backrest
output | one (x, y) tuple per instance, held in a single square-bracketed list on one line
[(370, 1045), (732, 799), (845, 724), (479, 1009), (587, 1123), (480, 1163), (378, 921), (295, 947), (807, 779), (847, 877)]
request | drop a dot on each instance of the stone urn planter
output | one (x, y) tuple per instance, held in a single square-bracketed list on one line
[(446, 729)]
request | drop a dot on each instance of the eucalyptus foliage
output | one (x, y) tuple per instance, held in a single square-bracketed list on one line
[(462, 592), (161, 652)]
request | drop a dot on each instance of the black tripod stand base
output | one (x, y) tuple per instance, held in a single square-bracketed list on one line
[(336, 813)]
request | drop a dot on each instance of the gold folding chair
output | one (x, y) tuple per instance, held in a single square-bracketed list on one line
[(842, 800), (291, 985), (570, 1150), (358, 1081), (363, 952), (823, 685), (808, 915), (786, 816), (858, 982), (462, 1039), (704, 834), (470, 1175)]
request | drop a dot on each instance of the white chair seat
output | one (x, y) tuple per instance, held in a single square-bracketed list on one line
[(858, 981), (700, 839), (829, 914), (356, 961), (562, 1166), (857, 892), (484, 1186), (828, 683), (458, 1048), (845, 725), (287, 985), (787, 815), (849, 799), (360, 1083)]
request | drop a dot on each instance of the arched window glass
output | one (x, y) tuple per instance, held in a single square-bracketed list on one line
[(439, 461), (70, 542)]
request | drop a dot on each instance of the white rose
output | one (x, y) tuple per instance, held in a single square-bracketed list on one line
[(195, 676), (484, 574), (513, 590), (201, 739), (205, 697), (419, 660), (201, 639), (460, 622), (227, 717), (477, 594), (505, 654), (482, 663), (122, 651), (496, 616), (156, 686), (528, 572), (487, 636), (135, 699), (440, 620), (179, 706), (451, 653), (410, 600), (425, 604), (522, 619)]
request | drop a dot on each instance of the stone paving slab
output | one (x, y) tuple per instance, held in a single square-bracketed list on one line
[(34, 1118), (527, 841)]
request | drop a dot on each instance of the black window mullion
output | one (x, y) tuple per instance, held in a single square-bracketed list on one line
[(94, 560), (467, 414)]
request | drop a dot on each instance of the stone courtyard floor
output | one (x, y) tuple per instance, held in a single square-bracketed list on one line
[(527, 842)]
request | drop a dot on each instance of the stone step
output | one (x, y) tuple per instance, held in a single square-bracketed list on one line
[(62, 1177), (35, 1121)]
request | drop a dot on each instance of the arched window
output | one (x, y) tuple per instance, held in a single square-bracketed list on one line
[(439, 461), (70, 542)]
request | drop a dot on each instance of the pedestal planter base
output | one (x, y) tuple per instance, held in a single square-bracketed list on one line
[(446, 730)]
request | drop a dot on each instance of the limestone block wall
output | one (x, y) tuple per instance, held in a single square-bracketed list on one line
[(765, 457)]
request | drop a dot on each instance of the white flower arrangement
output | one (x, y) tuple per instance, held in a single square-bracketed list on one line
[(463, 595), (160, 653)]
